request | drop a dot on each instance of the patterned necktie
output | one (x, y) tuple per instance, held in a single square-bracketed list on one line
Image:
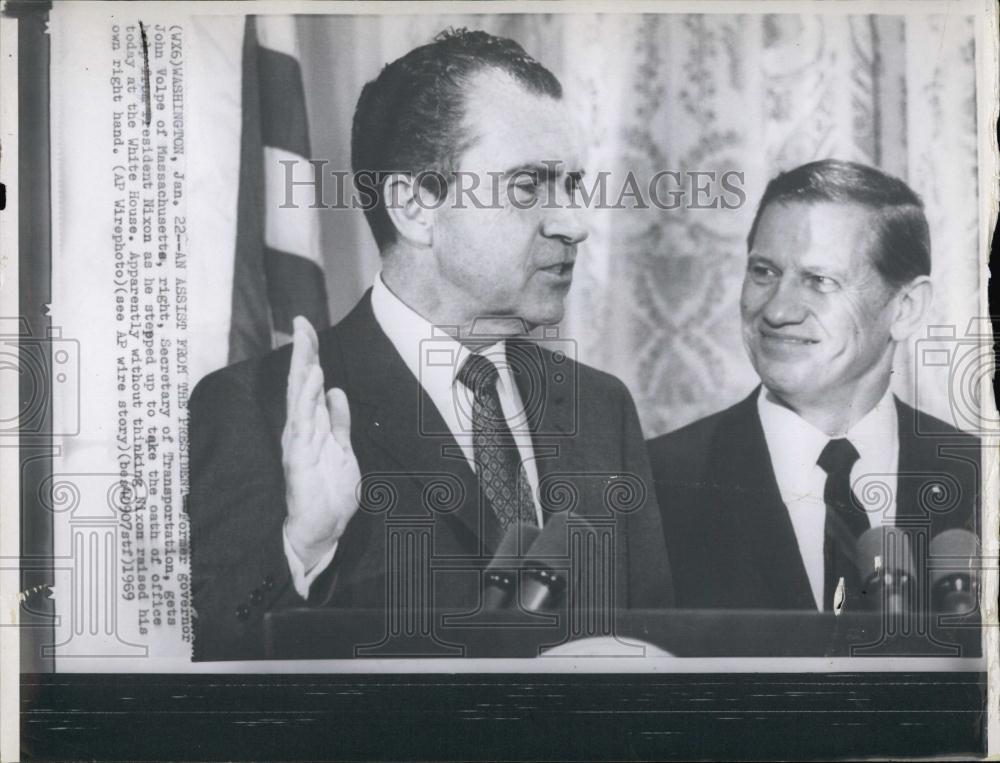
[(844, 522), (501, 473)]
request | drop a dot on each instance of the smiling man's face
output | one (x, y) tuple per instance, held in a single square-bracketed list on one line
[(516, 258), (817, 315)]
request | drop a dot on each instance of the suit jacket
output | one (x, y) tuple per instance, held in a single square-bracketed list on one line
[(589, 453), (728, 533)]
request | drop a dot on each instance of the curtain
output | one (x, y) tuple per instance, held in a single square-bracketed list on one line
[(656, 293)]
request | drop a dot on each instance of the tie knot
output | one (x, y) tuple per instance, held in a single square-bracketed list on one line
[(838, 457), (478, 374)]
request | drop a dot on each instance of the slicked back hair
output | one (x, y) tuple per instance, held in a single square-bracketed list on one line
[(902, 247), (409, 119)]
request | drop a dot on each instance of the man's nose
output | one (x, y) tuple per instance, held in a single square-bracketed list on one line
[(564, 220), (785, 303)]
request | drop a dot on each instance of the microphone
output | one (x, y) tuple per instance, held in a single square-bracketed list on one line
[(955, 591), (885, 562), (543, 586), (500, 578)]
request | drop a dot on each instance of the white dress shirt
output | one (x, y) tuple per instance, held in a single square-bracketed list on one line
[(435, 364), (795, 445)]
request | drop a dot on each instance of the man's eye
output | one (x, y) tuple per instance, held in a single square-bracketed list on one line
[(762, 273), (525, 190), (822, 283)]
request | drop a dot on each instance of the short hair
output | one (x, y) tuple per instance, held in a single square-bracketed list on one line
[(902, 248), (409, 118)]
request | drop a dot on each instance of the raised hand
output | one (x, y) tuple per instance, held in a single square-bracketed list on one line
[(321, 472)]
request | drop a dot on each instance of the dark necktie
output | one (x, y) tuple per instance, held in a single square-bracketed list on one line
[(844, 521), (501, 473)]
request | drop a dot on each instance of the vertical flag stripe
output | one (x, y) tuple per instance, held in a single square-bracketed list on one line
[(284, 122), (278, 272), (295, 287), (250, 325), (293, 229), (278, 33)]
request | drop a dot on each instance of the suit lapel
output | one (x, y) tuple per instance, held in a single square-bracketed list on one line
[(400, 436), (764, 542), (544, 387), (922, 479), (906, 504)]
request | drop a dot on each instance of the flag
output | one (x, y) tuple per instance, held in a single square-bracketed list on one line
[(277, 267)]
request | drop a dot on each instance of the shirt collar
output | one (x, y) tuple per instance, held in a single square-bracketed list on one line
[(431, 354), (795, 445), (877, 433)]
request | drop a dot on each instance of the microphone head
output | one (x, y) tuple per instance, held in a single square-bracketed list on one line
[(500, 576), (563, 552), (961, 548), (954, 563), (552, 542), (882, 549), (543, 586), (884, 560), (514, 547)]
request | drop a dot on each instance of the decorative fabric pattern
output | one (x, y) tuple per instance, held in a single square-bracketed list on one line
[(655, 297)]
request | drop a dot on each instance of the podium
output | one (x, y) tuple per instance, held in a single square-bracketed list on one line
[(349, 634)]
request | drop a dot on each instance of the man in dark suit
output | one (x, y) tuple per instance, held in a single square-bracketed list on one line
[(762, 502), (426, 407)]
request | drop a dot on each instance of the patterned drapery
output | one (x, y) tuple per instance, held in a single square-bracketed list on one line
[(655, 297)]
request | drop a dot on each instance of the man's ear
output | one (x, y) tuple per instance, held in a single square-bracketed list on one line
[(411, 208), (912, 303)]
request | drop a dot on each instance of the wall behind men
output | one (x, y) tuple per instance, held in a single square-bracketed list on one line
[(655, 296)]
